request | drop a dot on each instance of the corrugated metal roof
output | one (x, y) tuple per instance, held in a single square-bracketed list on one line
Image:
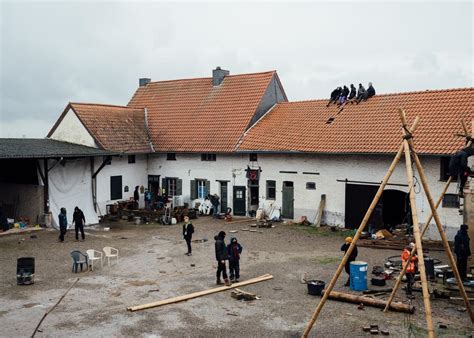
[(45, 148)]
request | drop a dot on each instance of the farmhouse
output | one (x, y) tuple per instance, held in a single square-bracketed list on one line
[(239, 137)]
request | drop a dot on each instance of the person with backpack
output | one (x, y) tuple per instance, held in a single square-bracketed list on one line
[(62, 224), (78, 220), (234, 249), (221, 256), (188, 230)]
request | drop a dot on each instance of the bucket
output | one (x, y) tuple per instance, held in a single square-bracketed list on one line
[(358, 271), (315, 287)]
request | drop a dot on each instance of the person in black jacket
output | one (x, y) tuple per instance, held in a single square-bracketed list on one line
[(188, 230), (62, 224), (353, 92), (136, 195), (344, 95), (221, 256), (462, 250), (370, 91), (459, 168), (234, 249), (334, 96), (352, 257), (3, 221), (78, 220)]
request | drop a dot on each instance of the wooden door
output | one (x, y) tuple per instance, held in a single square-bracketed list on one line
[(239, 201), (288, 199)]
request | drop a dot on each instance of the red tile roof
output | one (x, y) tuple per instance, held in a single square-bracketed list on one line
[(115, 128), (370, 127), (192, 115)]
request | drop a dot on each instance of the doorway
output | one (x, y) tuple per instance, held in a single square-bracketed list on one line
[(288, 207), (223, 196), (154, 186), (239, 200)]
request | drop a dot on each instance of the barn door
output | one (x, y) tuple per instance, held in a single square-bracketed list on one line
[(288, 206)]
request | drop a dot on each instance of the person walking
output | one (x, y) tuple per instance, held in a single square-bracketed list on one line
[(62, 224), (352, 257), (221, 256), (411, 268), (78, 220), (188, 230), (462, 250), (234, 249), (215, 205)]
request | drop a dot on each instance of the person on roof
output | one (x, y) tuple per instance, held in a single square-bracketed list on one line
[(370, 91), (344, 95), (334, 96), (458, 167), (462, 250), (360, 93), (353, 92)]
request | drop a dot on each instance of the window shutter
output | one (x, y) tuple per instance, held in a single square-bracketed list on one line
[(179, 187), (193, 190), (208, 188)]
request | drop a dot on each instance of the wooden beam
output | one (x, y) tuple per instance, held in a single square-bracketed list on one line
[(350, 298), (199, 293), (418, 244), (357, 235)]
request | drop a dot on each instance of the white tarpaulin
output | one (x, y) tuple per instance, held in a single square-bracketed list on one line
[(70, 186)]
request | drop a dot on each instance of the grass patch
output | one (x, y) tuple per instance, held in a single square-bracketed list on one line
[(327, 260)]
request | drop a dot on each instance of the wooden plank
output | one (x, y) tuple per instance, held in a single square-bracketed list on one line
[(319, 217), (347, 297), (199, 293)]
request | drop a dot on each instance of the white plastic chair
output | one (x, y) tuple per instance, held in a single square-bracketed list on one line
[(95, 255), (111, 252)]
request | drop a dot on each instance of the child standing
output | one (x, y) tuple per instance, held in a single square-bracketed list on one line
[(188, 230), (234, 249)]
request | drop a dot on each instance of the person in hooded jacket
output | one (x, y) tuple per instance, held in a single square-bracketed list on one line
[(221, 256), (370, 91), (459, 168), (62, 224), (344, 95), (78, 220), (234, 249), (334, 96), (353, 92), (360, 93), (462, 250)]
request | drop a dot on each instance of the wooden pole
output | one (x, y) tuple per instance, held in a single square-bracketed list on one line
[(199, 293), (356, 236), (452, 262), (347, 297), (413, 251), (418, 245)]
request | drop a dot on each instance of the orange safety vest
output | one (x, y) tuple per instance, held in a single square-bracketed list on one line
[(411, 264)]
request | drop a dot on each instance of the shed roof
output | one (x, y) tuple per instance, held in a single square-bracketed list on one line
[(371, 127), (23, 148)]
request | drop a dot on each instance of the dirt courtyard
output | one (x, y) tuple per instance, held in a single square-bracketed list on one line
[(153, 267)]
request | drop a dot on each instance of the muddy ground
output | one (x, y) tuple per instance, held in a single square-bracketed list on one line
[(153, 267)]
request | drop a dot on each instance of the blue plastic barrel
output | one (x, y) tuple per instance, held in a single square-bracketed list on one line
[(358, 271)]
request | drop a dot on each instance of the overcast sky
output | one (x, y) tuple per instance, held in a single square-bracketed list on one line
[(56, 52)]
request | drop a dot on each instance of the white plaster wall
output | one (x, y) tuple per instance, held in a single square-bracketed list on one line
[(72, 130), (133, 174), (330, 169)]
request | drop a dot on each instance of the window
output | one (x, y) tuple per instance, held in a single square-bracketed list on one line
[(311, 185), (239, 194), (171, 156), (271, 190), (451, 201), (171, 186), (253, 157), (201, 189), (208, 157), (444, 168), (131, 158), (115, 187)]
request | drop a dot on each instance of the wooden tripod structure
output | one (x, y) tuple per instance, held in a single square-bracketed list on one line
[(406, 147)]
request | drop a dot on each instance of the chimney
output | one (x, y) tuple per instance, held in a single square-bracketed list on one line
[(144, 81), (218, 75)]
